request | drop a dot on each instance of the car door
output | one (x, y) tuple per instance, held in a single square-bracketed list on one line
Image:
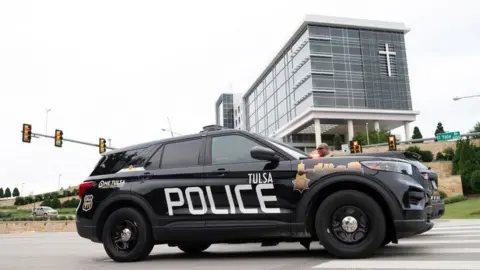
[(243, 191), (173, 185)]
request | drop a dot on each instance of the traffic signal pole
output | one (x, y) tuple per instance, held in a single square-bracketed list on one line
[(69, 140)]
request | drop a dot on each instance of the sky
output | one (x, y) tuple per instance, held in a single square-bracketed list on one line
[(121, 69)]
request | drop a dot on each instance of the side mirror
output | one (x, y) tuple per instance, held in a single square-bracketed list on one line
[(263, 153)]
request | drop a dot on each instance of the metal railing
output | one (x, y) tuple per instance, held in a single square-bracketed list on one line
[(465, 135)]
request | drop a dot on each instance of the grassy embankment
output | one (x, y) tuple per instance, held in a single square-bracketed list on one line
[(11, 212), (461, 207)]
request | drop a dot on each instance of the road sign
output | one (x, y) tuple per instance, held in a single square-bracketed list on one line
[(448, 136)]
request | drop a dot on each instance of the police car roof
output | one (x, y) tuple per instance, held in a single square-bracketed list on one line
[(178, 138)]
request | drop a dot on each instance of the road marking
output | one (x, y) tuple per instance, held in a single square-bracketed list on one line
[(456, 227), (395, 264), (421, 241), (392, 249), (446, 232), (443, 235)]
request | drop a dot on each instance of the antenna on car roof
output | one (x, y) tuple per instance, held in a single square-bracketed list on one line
[(212, 128)]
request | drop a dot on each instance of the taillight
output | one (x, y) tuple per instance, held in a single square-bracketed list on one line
[(82, 187)]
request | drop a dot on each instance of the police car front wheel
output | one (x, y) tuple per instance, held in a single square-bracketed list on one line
[(350, 224), (127, 237)]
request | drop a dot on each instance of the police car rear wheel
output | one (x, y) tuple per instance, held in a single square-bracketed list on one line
[(193, 248), (350, 224), (127, 236)]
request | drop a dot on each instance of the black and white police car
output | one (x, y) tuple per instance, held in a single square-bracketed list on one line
[(231, 186)]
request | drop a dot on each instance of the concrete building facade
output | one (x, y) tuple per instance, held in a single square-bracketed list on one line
[(334, 76)]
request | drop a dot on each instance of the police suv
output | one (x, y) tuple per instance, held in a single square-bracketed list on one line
[(231, 186)]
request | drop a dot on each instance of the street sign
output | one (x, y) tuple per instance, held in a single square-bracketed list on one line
[(448, 136)]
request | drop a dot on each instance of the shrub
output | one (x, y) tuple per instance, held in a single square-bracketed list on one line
[(5, 214), (475, 181), (72, 203), (54, 203), (440, 156), (414, 149), (8, 207), (426, 156), (449, 153), (42, 218), (443, 195), (455, 199)]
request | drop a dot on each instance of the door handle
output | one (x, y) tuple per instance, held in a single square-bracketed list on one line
[(146, 176), (220, 172)]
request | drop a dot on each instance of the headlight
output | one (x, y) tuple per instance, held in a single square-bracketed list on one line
[(391, 166)]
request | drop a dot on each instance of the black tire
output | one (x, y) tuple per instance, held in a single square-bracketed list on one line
[(193, 248), (356, 204), (140, 230)]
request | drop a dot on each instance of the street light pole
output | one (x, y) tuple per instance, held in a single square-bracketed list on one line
[(458, 98), (59, 175), (170, 126), (46, 120), (368, 139), (21, 193)]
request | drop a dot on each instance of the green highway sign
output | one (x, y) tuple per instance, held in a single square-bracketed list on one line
[(448, 136)]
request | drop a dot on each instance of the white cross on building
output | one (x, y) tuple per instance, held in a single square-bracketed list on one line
[(387, 53)]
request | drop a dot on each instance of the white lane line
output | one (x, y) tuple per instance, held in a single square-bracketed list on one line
[(394, 264), (395, 249), (442, 235), (455, 227), (421, 241), (448, 232)]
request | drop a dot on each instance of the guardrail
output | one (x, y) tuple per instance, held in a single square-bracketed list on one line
[(421, 140)]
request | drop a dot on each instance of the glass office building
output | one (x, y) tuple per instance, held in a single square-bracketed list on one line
[(333, 63), (224, 111)]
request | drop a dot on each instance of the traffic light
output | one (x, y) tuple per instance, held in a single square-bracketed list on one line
[(58, 138), (27, 133), (101, 145), (392, 143), (355, 147)]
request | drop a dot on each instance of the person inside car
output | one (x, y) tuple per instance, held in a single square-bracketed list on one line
[(321, 151)]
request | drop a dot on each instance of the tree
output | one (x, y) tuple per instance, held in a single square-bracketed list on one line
[(15, 193), (374, 137), (476, 128), (1, 193), (8, 193), (439, 129), (416, 133), (337, 142)]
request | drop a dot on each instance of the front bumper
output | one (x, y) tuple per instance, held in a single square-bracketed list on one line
[(438, 209), (415, 222), (87, 229)]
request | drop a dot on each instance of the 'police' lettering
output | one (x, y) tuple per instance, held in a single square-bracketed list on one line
[(262, 199)]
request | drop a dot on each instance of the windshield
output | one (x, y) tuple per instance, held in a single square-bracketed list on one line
[(296, 153), (418, 164)]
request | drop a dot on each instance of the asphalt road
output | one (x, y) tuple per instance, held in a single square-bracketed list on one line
[(450, 245)]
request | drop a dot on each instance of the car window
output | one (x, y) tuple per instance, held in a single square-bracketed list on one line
[(296, 153), (181, 154), (115, 162), (232, 149), (418, 164)]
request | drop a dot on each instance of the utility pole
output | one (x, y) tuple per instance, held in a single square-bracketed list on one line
[(109, 142), (170, 126)]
